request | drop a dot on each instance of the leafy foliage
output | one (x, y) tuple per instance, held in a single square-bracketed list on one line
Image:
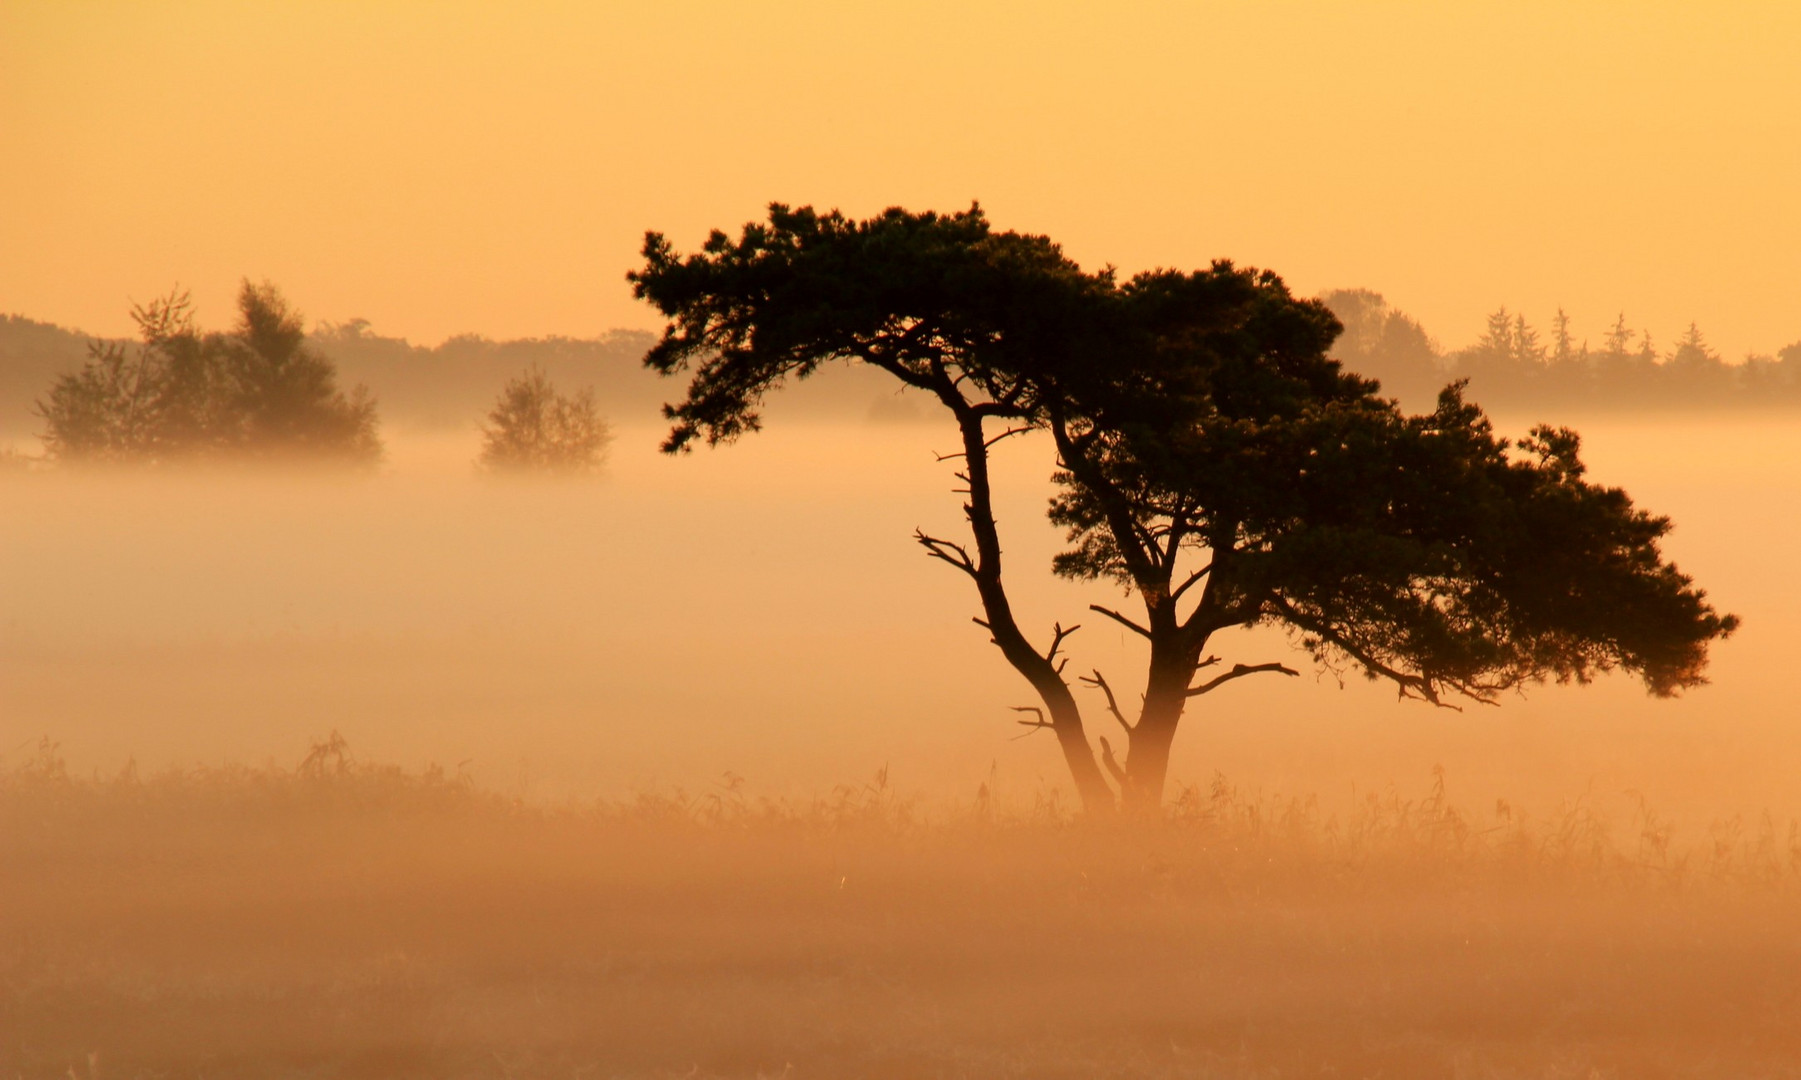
[(534, 427), (1213, 458), (1421, 549), (257, 391), (926, 297)]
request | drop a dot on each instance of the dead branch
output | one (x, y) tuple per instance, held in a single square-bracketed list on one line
[(1192, 579), (1035, 724), (1238, 671), (955, 554), (1409, 693), (1121, 619), (1099, 681), (1112, 764), (1057, 636), (1010, 432)]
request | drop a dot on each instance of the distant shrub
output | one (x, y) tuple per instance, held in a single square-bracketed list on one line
[(534, 427), (14, 460), (257, 391)]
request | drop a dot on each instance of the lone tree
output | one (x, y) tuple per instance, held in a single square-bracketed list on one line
[(257, 391), (534, 427), (1210, 457)]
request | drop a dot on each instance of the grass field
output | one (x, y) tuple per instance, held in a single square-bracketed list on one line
[(347, 920)]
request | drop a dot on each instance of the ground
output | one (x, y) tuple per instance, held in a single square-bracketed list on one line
[(350, 921)]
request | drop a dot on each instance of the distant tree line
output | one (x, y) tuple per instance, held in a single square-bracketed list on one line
[(171, 389), (266, 390), (1517, 363), (444, 385)]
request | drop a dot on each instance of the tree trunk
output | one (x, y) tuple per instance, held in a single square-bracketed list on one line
[(1041, 670), (1147, 763), (1072, 739)]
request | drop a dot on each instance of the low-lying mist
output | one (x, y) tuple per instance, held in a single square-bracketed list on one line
[(760, 609), (697, 768)]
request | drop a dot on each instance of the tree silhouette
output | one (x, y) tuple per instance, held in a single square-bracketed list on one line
[(287, 394), (1229, 474), (1510, 365), (1376, 335), (534, 427), (257, 391), (941, 303), (1211, 458), (136, 404)]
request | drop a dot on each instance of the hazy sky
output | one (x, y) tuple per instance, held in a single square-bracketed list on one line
[(440, 167)]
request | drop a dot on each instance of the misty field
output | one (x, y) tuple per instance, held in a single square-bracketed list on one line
[(523, 913), (762, 609), (1222, 540), (341, 919)]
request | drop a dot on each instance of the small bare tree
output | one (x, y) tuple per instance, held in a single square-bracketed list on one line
[(534, 427)]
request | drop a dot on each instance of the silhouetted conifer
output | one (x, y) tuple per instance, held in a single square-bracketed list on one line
[(1212, 459)]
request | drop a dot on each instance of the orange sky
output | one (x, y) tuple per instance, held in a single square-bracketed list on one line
[(440, 167)]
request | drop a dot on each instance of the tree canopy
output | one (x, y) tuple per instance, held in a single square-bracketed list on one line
[(1211, 457), (257, 391), (941, 302), (535, 427)]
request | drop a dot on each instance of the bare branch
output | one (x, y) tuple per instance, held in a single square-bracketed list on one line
[(1193, 579), (1057, 636), (1112, 764), (1003, 409), (1040, 722), (1121, 619), (1423, 686), (1005, 434), (1435, 702), (985, 445), (1097, 680), (955, 554), (1238, 671)]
